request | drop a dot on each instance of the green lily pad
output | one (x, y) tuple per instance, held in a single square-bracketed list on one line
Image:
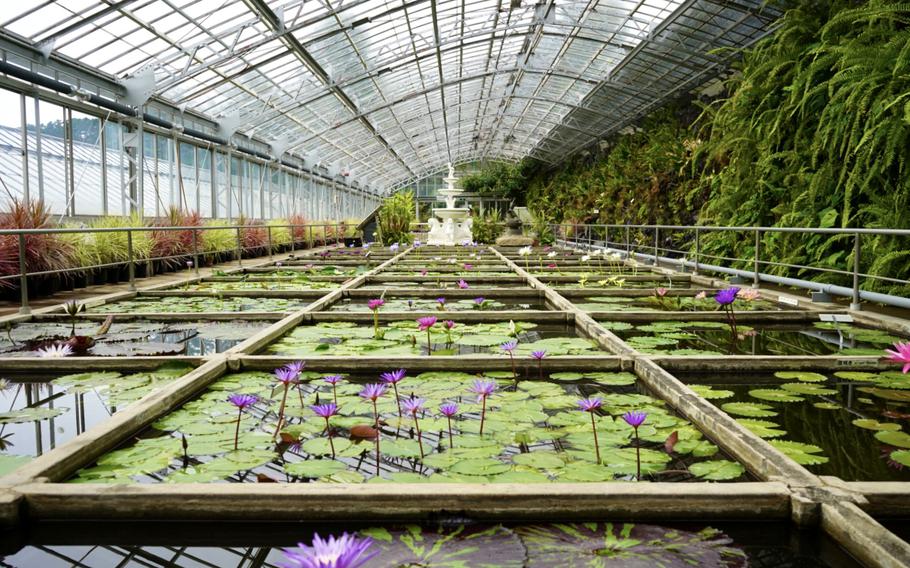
[(803, 376), (870, 424), (717, 470), (31, 414), (314, 469), (762, 428), (480, 466), (710, 393), (322, 447), (539, 460), (893, 438), (803, 454), (749, 409), (775, 395), (901, 456)]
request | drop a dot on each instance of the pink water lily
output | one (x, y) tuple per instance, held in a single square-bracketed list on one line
[(900, 354)]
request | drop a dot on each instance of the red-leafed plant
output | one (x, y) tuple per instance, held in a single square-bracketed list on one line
[(42, 252), (253, 235), (299, 228), (176, 243)]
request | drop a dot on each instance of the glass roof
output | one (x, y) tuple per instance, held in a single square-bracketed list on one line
[(394, 89)]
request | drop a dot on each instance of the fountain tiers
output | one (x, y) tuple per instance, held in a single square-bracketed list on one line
[(455, 227)]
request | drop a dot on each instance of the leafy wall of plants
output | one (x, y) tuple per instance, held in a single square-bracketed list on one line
[(813, 132)]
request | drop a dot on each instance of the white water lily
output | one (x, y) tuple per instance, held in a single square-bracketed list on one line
[(524, 251), (452, 261), (55, 351), (552, 254), (585, 258), (512, 327)]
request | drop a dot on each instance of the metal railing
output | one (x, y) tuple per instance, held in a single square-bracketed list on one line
[(329, 232), (655, 243)]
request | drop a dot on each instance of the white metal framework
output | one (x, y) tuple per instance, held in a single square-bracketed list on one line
[(387, 91)]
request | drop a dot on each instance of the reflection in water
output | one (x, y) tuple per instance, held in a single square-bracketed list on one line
[(247, 545)]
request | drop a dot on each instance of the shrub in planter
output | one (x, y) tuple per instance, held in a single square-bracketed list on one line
[(281, 234), (395, 217), (253, 236), (299, 228), (42, 252), (218, 243)]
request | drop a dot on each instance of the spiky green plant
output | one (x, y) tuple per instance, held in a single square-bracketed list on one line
[(395, 217)]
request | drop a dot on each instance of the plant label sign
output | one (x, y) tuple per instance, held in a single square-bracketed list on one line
[(786, 300)]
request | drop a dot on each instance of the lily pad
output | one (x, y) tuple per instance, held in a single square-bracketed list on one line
[(893, 438), (803, 376), (717, 470), (775, 395), (870, 424), (803, 454), (750, 409), (314, 469)]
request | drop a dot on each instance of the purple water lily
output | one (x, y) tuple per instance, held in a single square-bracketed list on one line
[(414, 406), (449, 409), (636, 419), (347, 551), (333, 380), (242, 402), (539, 356), (463, 285), (424, 324), (509, 347), (372, 392), (374, 306), (327, 411), (286, 376), (480, 302), (393, 378), (592, 405), (483, 389), (726, 298)]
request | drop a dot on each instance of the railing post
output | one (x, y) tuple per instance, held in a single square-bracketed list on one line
[(656, 245), (855, 303), (310, 241), (628, 242), (196, 251), (23, 277), (268, 229), (239, 248), (697, 249), (293, 238), (131, 264), (755, 279)]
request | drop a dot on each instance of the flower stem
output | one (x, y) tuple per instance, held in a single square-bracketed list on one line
[(483, 413), (284, 399), (376, 423), (419, 437), (637, 456), (329, 432), (375, 324), (596, 445), (540, 369), (335, 394), (398, 400), (429, 345), (512, 359), (451, 443), (237, 430)]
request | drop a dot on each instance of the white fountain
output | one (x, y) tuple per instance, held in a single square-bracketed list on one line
[(455, 225)]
